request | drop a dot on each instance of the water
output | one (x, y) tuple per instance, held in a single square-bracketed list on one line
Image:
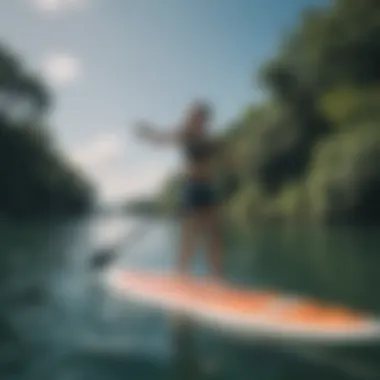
[(58, 321)]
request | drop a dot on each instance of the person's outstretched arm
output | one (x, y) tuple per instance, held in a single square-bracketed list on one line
[(151, 134)]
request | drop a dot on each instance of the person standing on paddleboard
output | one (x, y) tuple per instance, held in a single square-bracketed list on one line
[(199, 198)]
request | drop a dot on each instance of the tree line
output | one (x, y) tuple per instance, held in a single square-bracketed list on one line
[(36, 179)]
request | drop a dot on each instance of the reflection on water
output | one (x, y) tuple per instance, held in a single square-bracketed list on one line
[(58, 321), (339, 265)]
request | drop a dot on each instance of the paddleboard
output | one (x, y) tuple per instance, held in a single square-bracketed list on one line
[(246, 313)]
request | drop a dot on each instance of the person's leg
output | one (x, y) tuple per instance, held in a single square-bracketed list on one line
[(187, 242), (213, 239), (191, 224)]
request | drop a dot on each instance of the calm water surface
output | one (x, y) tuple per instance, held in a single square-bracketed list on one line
[(58, 321)]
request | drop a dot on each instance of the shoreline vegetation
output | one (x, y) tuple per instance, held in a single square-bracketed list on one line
[(310, 151), (37, 180)]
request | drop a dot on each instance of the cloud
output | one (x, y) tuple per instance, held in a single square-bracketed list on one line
[(61, 69), (99, 153), (144, 180), (111, 167), (56, 6)]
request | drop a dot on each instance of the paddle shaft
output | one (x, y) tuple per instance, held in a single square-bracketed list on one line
[(104, 256)]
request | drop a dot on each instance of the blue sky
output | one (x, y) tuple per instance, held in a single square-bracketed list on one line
[(112, 62)]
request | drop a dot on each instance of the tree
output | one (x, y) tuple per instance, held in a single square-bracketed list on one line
[(35, 179)]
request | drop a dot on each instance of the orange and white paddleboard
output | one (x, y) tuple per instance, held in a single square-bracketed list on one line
[(247, 313)]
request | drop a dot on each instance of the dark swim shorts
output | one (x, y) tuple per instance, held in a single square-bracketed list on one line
[(197, 195)]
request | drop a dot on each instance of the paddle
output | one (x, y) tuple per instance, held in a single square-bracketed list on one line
[(104, 256)]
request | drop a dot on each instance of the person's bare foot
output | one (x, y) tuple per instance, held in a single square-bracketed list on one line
[(214, 283), (184, 276)]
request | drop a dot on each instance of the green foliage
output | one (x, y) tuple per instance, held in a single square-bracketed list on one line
[(345, 180), (36, 181), (346, 106)]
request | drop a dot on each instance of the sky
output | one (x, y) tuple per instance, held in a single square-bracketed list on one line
[(110, 63)]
